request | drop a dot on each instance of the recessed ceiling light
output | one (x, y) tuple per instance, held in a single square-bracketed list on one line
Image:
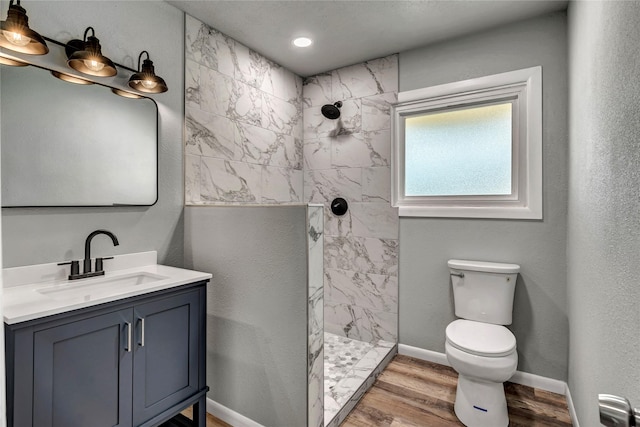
[(302, 42)]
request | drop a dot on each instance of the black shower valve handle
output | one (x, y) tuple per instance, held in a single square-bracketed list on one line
[(339, 206)]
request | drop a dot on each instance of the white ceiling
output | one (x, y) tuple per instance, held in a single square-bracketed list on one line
[(347, 32)]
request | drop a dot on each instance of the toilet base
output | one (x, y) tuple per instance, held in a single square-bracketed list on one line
[(481, 403)]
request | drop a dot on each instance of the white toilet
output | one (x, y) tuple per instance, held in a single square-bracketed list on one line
[(478, 347)]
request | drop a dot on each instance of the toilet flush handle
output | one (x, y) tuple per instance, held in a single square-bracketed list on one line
[(457, 273)]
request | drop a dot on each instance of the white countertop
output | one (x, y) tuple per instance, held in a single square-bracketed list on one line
[(36, 291)]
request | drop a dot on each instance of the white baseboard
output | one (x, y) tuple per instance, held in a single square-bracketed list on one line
[(539, 382), (572, 409), (523, 378), (422, 354), (229, 416)]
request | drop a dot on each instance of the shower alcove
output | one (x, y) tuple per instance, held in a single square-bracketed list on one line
[(302, 311), (270, 354)]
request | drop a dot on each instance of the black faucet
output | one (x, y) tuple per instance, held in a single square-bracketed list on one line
[(75, 273), (87, 249)]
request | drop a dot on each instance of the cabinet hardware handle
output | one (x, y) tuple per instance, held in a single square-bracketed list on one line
[(128, 348), (142, 332)]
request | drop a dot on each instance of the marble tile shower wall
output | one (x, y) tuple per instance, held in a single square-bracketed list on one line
[(350, 158), (315, 325), (243, 116)]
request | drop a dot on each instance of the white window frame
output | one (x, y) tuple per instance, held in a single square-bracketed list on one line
[(524, 89)]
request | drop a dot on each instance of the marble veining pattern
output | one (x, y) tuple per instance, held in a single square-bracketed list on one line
[(353, 321), (225, 181), (218, 92), (315, 238), (244, 119), (362, 254), (362, 149), (350, 158), (317, 90), (350, 366), (192, 169), (376, 111), (210, 135), (373, 77), (371, 291), (322, 186), (376, 185)]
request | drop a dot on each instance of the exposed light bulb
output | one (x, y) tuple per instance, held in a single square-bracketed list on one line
[(149, 84), (93, 65), (302, 42), (16, 38)]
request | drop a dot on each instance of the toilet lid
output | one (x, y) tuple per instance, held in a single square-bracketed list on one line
[(482, 339)]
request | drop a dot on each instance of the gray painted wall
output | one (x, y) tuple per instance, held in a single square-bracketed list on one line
[(125, 28), (3, 409), (540, 316), (256, 308), (603, 244)]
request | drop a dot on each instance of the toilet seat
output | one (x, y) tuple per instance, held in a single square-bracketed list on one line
[(481, 339)]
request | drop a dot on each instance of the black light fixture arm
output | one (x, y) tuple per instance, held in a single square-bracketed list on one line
[(17, 13), (140, 58), (17, 2), (93, 33), (74, 48)]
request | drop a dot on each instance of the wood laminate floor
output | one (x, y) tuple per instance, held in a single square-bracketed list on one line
[(415, 393), (211, 420)]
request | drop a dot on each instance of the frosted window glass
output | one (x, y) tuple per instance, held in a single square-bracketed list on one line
[(459, 153)]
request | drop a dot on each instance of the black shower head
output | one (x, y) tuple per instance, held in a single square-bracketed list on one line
[(332, 111)]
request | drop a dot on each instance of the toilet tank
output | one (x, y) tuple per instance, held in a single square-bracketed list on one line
[(485, 291)]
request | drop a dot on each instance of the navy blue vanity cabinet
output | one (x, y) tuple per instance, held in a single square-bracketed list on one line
[(130, 363), (165, 363), (81, 373)]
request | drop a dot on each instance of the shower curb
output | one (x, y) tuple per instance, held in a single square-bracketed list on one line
[(357, 395)]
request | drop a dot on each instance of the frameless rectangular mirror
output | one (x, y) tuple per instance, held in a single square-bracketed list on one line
[(65, 144)]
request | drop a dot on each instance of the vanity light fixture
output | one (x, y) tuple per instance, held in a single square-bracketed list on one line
[(11, 62), (88, 57), (16, 35), (145, 80), (70, 78), (125, 93), (302, 42)]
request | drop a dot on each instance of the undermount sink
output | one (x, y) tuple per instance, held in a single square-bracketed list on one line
[(95, 288)]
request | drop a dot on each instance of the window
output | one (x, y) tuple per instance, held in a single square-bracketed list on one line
[(471, 148)]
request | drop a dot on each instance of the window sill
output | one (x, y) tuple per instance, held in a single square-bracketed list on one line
[(528, 213)]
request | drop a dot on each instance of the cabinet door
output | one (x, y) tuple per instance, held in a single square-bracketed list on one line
[(165, 360), (82, 373)]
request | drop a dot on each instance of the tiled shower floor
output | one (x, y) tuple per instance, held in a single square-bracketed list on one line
[(347, 365)]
